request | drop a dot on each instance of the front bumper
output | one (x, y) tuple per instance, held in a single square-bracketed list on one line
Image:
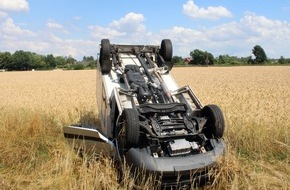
[(176, 170)]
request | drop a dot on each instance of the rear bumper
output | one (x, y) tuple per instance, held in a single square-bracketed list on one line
[(184, 168)]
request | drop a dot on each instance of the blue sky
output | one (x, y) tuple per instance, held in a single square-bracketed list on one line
[(71, 27)]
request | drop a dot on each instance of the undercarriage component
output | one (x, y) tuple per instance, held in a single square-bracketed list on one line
[(137, 82)]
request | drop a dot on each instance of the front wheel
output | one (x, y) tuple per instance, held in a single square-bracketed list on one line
[(127, 132), (215, 124)]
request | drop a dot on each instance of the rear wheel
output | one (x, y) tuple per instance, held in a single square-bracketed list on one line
[(105, 62), (166, 53), (166, 50), (215, 124)]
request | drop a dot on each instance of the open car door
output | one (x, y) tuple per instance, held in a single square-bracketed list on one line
[(89, 140)]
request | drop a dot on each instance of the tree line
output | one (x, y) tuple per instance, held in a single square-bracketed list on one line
[(25, 60), (199, 57)]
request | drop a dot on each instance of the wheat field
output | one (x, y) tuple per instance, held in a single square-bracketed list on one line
[(36, 105)]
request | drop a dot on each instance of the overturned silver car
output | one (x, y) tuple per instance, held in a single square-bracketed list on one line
[(148, 120)]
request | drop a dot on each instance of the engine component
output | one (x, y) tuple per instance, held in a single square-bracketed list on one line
[(179, 147)]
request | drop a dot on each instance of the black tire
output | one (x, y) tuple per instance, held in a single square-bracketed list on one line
[(163, 63), (166, 52), (105, 62), (132, 127), (169, 65), (215, 124), (127, 134)]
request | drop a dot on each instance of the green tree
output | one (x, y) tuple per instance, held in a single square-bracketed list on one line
[(201, 57), (228, 60), (78, 66), (260, 54), (92, 64), (38, 61), (5, 60), (89, 62), (70, 61), (177, 60), (251, 60), (88, 59), (224, 60), (50, 61), (245, 60), (60, 61), (21, 61), (282, 60)]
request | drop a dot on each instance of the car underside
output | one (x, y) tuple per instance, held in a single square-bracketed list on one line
[(151, 122)]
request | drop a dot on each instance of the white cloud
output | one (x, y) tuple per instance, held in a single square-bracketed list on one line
[(9, 28), (75, 48), (130, 23), (56, 26), (98, 32), (13, 37), (184, 35), (3, 15), (77, 18), (128, 29), (52, 24), (234, 38), (193, 11), (14, 5)]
